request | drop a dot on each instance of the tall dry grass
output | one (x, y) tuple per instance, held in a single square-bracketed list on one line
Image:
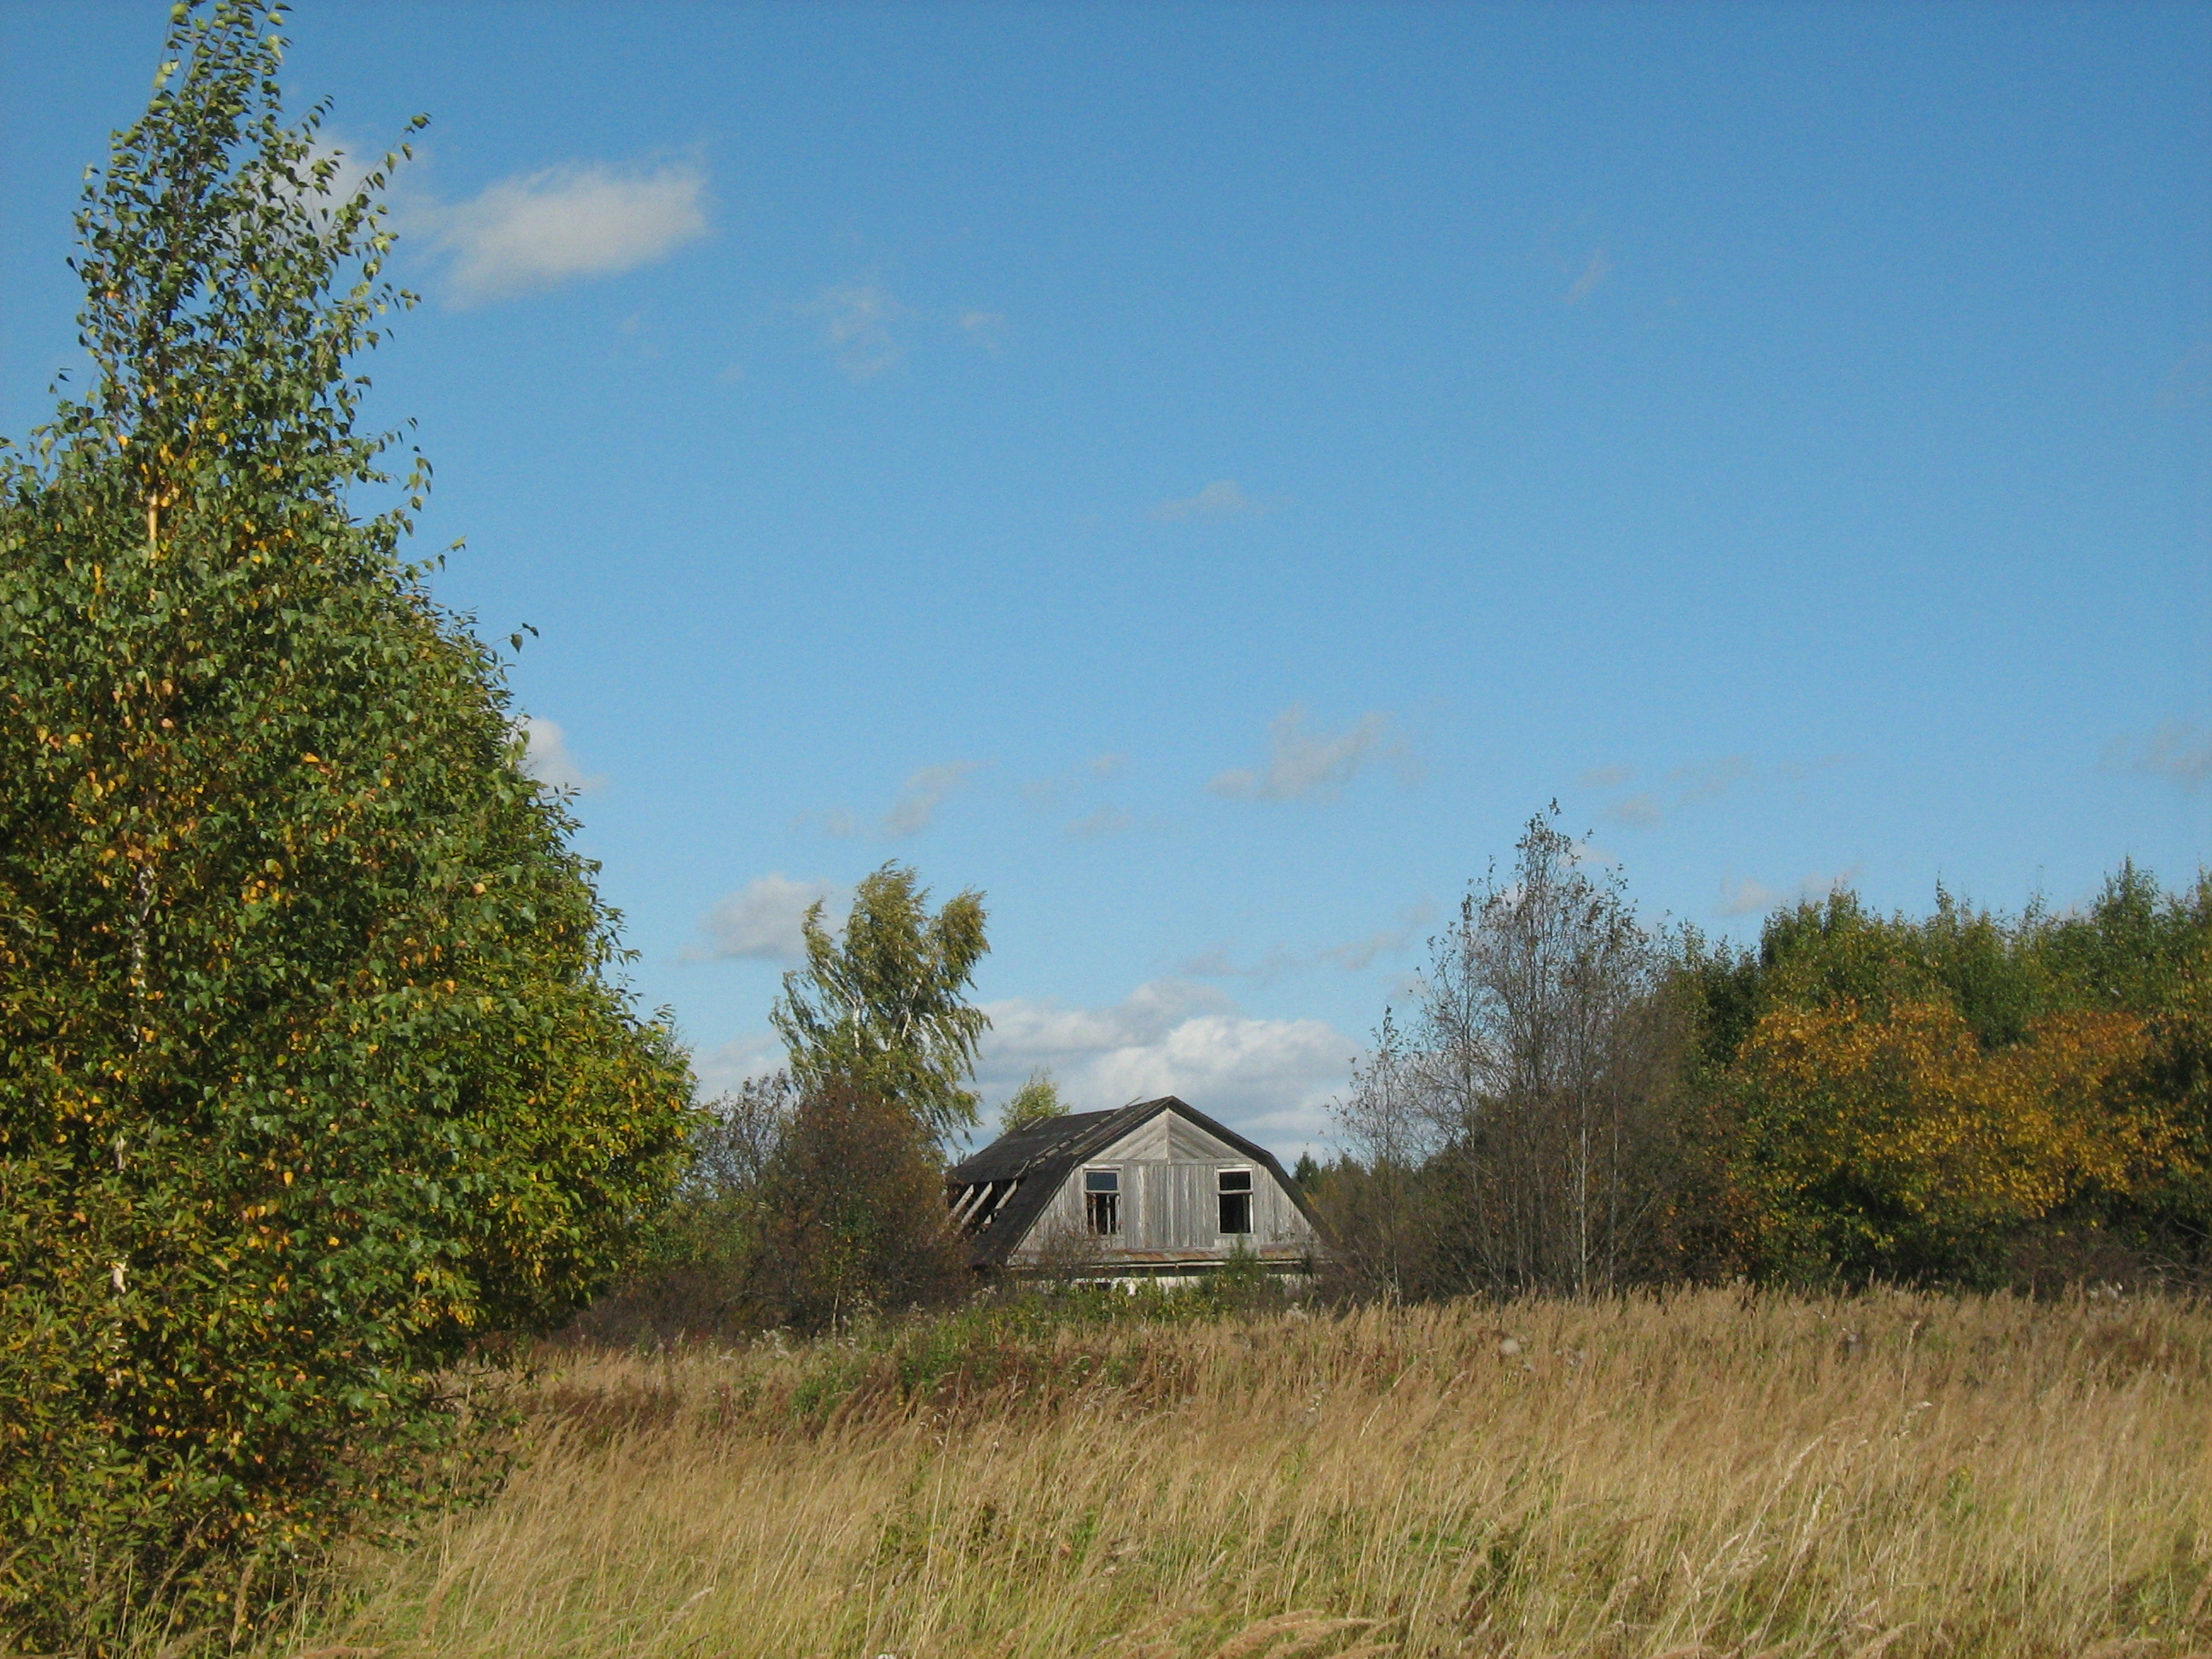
[(1699, 1472)]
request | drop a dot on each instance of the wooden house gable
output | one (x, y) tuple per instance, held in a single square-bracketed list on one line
[(1169, 1192)]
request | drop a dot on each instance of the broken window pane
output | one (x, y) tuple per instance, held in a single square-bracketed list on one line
[(1102, 1201), (1236, 1190)]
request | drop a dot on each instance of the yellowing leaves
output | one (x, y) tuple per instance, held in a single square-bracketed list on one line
[(1899, 1126)]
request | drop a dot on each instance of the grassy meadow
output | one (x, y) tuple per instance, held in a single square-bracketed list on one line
[(1694, 1473)]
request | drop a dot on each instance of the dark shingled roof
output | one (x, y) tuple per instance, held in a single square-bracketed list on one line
[(1041, 1156)]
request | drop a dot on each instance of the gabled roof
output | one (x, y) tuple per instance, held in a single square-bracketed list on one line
[(1042, 1156)]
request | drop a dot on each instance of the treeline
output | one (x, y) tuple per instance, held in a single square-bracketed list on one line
[(1576, 1104)]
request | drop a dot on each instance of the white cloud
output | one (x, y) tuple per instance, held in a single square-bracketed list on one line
[(545, 228), (547, 758), (1303, 764), (1271, 1078), (761, 919), (2178, 751), (1710, 782), (856, 320), (1221, 499), (721, 1069), (1605, 777)]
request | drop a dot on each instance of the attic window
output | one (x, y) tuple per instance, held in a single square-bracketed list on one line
[(1102, 1201), (1235, 1186)]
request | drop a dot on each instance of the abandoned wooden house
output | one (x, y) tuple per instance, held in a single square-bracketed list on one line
[(1156, 1190)]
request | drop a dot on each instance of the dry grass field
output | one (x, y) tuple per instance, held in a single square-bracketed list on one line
[(1701, 1473)]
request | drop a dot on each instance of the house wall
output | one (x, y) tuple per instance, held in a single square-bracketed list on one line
[(1170, 1200)]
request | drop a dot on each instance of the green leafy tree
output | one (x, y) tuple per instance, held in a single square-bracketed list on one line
[(881, 1007), (313, 1073), (1037, 1100)]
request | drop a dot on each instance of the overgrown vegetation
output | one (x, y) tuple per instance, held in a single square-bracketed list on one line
[(1699, 1471), (1964, 1099), (318, 1088), (312, 1076), (816, 1195)]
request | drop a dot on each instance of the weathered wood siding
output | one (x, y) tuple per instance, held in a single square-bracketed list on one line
[(1170, 1201)]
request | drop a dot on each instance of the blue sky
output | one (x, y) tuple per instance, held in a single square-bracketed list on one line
[(1206, 475)]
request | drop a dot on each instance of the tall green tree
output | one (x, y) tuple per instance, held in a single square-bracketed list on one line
[(313, 1072), (881, 1007), (1037, 1100)]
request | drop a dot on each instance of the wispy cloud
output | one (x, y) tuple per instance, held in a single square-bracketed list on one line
[(2189, 380), (1354, 955), (1271, 1078), (547, 757), (1222, 499), (1102, 821), (761, 919), (1605, 777), (912, 810), (1593, 273), (1685, 786), (915, 809), (1219, 963), (985, 328), (2178, 751), (1741, 898), (856, 320), (1303, 764), (1359, 953), (543, 228)]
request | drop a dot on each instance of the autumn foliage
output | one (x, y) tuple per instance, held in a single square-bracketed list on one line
[(1957, 1099), (1895, 1142)]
